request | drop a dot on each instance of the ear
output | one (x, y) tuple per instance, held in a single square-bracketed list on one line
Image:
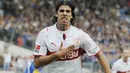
[(71, 16)]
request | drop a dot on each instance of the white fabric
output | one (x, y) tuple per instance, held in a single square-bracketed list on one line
[(7, 57), (50, 39), (121, 66)]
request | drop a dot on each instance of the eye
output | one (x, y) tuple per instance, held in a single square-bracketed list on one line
[(68, 11), (61, 10)]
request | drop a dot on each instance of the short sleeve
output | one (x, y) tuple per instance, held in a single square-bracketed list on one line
[(40, 46), (89, 45)]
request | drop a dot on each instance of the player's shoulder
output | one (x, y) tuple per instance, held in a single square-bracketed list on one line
[(77, 29), (47, 30)]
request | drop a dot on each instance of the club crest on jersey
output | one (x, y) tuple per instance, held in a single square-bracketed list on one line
[(77, 41), (37, 48)]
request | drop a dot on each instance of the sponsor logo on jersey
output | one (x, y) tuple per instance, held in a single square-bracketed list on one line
[(77, 40), (72, 55)]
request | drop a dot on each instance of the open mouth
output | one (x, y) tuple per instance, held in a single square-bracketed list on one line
[(64, 20)]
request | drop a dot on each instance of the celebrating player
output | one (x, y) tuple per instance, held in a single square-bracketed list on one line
[(58, 47)]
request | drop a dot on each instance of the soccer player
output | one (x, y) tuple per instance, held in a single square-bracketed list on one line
[(122, 65), (58, 47)]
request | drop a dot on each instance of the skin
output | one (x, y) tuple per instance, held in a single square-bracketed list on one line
[(64, 15), (103, 61)]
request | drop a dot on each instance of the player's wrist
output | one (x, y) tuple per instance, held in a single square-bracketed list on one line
[(56, 56)]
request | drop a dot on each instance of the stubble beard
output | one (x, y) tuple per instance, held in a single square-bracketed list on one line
[(63, 27)]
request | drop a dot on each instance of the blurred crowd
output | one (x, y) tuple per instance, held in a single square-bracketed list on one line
[(107, 22), (9, 62)]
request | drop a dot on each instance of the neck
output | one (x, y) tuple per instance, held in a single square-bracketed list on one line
[(63, 27), (125, 59)]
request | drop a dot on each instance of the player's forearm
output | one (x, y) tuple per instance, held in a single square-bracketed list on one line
[(103, 61), (45, 60)]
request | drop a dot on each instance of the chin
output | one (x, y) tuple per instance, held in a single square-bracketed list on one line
[(64, 24)]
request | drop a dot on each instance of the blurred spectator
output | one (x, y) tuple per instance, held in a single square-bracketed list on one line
[(20, 41), (1, 13), (7, 60), (1, 60), (97, 18), (13, 63), (20, 64), (122, 65)]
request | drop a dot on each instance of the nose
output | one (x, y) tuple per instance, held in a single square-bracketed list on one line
[(64, 13)]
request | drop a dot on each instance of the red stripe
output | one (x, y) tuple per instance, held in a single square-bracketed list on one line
[(36, 55), (73, 55), (121, 72)]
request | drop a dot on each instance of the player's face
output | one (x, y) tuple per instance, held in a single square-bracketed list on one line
[(126, 54), (64, 14)]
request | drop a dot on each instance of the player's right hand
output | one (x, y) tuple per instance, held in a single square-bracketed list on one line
[(64, 51)]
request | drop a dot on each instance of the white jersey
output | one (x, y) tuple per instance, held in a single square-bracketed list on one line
[(49, 41), (121, 67)]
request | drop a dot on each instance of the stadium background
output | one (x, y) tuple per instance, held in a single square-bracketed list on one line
[(106, 21)]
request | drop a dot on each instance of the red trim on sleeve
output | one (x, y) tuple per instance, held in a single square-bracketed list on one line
[(97, 52)]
